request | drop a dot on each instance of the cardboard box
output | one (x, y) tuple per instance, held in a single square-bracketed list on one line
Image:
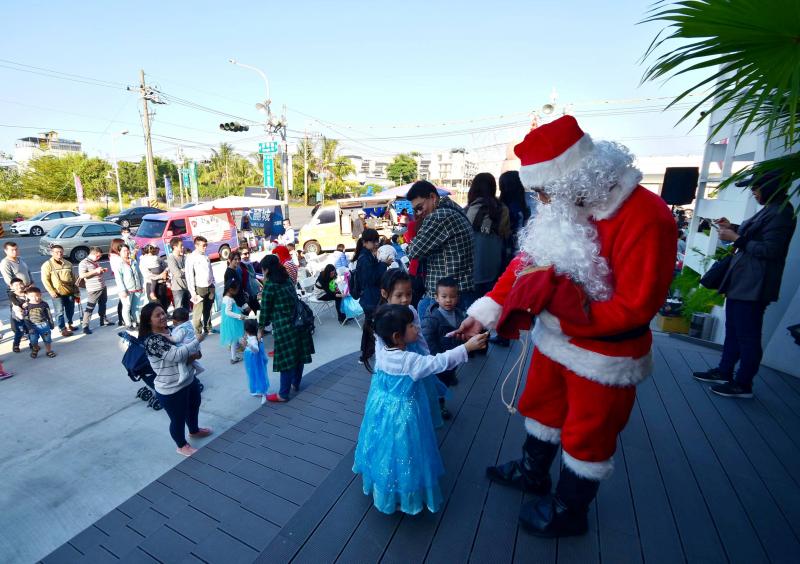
[(672, 324)]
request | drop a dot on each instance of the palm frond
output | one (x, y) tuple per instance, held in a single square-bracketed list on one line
[(753, 47)]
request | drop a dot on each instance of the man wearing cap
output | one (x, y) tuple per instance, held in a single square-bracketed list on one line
[(595, 264), (751, 282)]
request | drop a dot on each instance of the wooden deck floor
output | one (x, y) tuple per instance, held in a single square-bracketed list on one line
[(698, 479)]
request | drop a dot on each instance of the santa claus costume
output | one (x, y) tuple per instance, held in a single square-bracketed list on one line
[(595, 265)]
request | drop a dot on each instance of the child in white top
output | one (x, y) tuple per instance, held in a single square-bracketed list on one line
[(397, 453), (183, 334)]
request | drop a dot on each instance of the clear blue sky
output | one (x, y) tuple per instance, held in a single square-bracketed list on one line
[(356, 64)]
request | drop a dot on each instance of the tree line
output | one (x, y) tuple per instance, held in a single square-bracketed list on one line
[(226, 172)]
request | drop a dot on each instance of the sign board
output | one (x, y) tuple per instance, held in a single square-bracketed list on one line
[(212, 227), (193, 180), (269, 172), (268, 148), (185, 177), (266, 222)]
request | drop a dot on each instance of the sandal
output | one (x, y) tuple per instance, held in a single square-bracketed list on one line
[(34, 352), (51, 354), (15, 349)]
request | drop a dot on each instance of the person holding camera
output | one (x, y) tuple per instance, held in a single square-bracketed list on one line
[(91, 276)]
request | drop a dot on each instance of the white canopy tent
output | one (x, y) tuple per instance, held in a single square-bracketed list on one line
[(238, 202)]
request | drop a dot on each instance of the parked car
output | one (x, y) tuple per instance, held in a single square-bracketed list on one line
[(217, 226), (43, 222), (77, 238), (132, 216), (331, 225)]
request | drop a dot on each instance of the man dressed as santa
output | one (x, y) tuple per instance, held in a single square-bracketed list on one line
[(595, 266)]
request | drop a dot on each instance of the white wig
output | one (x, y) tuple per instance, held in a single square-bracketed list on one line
[(561, 234)]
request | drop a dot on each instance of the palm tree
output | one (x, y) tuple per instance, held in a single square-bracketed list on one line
[(750, 52), (228, 169)]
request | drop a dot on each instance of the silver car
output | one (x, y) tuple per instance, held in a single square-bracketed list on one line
[(78, 238)]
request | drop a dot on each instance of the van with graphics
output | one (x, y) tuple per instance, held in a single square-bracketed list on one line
[(217, 226)]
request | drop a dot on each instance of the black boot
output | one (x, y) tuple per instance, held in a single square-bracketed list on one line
[(562, 514), (531, 473)]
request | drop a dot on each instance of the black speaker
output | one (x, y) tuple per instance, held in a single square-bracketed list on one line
[(680, 185)]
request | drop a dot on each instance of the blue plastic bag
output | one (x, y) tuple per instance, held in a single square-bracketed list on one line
[(351, 308)]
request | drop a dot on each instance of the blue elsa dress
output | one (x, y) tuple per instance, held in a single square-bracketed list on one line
[(397, 453), (255, 365)]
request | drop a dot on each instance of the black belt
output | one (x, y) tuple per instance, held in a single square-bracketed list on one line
[(634, 333)]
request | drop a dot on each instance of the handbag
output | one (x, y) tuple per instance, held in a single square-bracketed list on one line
[(303, 317), (713, 278)]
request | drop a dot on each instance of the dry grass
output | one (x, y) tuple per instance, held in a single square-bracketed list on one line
[(29, 208)]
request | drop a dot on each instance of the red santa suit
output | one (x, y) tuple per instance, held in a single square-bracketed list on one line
[(580, 387)]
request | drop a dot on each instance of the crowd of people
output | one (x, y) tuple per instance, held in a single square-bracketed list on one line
[(590, 266)]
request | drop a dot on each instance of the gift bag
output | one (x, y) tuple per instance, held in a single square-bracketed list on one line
[(351, 308)]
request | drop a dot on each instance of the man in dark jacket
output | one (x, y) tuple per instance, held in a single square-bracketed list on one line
[(444, 240), (752, 281)]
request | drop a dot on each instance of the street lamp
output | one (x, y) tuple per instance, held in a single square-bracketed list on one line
[(116, 167), (273, 127)]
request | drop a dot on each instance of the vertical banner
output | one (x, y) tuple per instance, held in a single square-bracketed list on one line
[(269, 171), (168, 188), (79, 193), (193, 180)]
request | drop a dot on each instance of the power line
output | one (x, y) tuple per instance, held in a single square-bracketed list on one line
[(21, 67)]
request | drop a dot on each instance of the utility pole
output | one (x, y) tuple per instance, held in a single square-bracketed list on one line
[(151, 172), (305, 168)]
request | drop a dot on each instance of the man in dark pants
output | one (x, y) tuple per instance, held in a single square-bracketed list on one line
[(200, 281), (176, 263), (752, 281)]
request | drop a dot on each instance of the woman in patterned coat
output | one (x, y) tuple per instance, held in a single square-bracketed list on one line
[(293, 347)]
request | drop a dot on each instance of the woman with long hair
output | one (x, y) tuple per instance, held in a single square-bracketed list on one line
[(130, 286), (293, 346), (491, 230), (113, 262), (177, 389), (512, 194), (368, 273), (326, 282)]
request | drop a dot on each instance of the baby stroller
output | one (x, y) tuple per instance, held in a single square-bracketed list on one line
[(138, 367), (135, 362)]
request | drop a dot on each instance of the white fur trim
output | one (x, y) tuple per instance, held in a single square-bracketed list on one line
[(539, 174), (542, 432), (627, 183), (604, 369), (588, 470), (486, 310)]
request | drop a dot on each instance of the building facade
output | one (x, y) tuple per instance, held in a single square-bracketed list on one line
[(48, 143)]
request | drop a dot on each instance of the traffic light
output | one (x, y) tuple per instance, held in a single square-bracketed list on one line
[(234, 126)]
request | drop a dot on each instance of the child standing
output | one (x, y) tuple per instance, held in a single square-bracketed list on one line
[(232, 327), (183, 334), (39, 322), (443, 317), (19, 306), (397, 455), (255, 361), (396, 290)]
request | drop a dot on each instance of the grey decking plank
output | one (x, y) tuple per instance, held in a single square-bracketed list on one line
[(775, 458), (734, 524), (695, 525), (776, 534), (659, 536)]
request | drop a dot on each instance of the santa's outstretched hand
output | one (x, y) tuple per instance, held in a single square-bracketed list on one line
[(468, 329)]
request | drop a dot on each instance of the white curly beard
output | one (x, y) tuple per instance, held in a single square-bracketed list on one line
[(561, 235)]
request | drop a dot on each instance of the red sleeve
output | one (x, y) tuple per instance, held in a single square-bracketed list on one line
[(506, 281), (642, 262)]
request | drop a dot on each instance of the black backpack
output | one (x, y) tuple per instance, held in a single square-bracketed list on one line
[(303, 317), (354, 286), (135, 358)]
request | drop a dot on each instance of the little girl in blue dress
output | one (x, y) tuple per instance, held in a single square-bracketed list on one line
[(396, 289), (397, 454), (232, 324), (255, 361)]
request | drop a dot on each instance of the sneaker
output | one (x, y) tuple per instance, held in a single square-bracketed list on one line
[(201, 432), (103, 322), (87, 331), (235, 360), (713, 376), (732, 390), (5, 375), (276, 398), (361, 361), (66, 333), (186, 450), (264, 399)]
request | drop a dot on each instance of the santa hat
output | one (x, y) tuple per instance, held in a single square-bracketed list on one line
[(551, 151)]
